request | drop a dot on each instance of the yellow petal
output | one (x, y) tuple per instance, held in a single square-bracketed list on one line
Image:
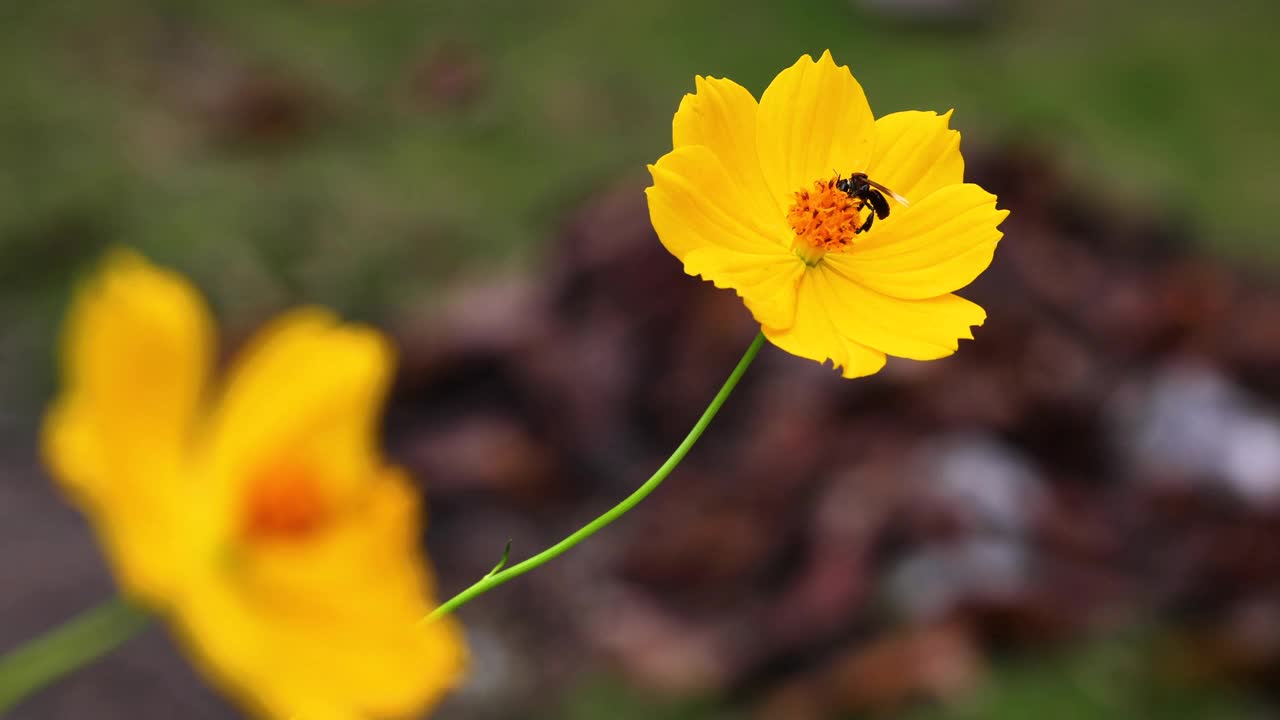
[(936, 246), (916, 153), (722, 234), (307, 389), (813, 122), (814, 334), (721, 115), (917, 329), (135, 353), (694, 204), (766, 283), (329, 626)]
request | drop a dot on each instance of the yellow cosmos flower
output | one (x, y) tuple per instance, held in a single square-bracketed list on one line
[(760, 198), (259, 518)]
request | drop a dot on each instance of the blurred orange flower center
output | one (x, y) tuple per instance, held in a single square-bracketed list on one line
[(825, 220), (283, 502)]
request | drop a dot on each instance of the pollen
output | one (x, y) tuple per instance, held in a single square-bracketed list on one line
[(284, 502), (825, 220)]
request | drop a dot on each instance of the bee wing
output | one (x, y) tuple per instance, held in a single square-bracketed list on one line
[(896, 197)]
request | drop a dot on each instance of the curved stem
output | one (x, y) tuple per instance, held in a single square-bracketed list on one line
[(494, 579), (67, 647)]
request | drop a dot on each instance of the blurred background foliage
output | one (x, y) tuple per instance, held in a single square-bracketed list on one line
[(372, 154), (1105, 679), (356, 153)]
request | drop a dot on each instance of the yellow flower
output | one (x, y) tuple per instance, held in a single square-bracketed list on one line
[(756, 197), (259, 518)]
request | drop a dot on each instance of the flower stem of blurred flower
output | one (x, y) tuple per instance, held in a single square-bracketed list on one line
[(500, 576), (77, 642)]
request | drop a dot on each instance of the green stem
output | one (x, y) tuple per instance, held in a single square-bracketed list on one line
[(495, 579), (75, 643)]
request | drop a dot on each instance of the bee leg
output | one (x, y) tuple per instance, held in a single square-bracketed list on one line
[(866, 225)]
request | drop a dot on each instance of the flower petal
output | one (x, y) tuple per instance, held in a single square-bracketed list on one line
[(331, 627), (694, 203), (721, 115), (917, 329), (307, 388), (813, 121), (916, 153), (936, 246), (718, 232), (766, 283), (814, 334), (136, 354)]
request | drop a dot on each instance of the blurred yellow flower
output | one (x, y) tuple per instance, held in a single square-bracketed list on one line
[(759, 197), (258, 518)]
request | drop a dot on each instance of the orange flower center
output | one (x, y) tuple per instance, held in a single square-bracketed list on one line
[(825, 220), (284, 502)]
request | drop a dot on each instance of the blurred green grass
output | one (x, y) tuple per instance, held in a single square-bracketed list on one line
[(1118, 678), (107, 136), (1164, 105)]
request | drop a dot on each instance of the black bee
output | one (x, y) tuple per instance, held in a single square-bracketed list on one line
[(870, 192)]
